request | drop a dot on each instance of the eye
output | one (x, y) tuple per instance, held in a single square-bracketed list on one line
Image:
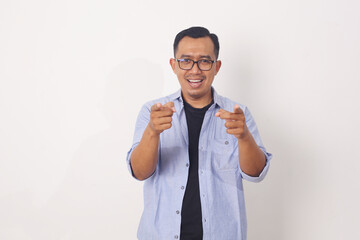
[(205, 61), (186, 60)]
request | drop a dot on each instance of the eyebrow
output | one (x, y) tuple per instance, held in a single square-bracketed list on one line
[(201, 56)]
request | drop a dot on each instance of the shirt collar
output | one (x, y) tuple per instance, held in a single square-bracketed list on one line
[(217, 98)]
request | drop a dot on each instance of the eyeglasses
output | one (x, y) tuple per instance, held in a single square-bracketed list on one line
[(188, 64)]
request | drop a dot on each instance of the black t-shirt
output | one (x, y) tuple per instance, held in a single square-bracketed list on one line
[(191, 217)]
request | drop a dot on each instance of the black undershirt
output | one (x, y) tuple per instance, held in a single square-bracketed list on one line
[(191, 217)]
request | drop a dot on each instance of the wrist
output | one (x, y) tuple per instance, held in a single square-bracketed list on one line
[(244, 137), (151, 132)]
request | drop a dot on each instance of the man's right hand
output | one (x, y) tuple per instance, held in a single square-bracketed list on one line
[(161, 117), (145, 156)]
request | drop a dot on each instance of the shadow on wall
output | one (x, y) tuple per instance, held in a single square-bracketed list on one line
[(98, 199), (129, 86)]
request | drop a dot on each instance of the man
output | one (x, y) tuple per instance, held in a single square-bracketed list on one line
[(193, 148)]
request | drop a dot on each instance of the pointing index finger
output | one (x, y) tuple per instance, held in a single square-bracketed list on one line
[(230, 116), (218, 113), (170, 105), (221, 113)]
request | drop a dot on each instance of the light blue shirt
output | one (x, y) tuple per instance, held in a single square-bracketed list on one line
[(220, 175)]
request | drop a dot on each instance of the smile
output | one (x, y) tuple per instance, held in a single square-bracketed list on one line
[(194, 81)]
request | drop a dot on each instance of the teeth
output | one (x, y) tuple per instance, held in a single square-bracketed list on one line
[(194, 81)]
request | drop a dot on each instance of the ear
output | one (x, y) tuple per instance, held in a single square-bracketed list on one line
[(172, 64), (218, 65)]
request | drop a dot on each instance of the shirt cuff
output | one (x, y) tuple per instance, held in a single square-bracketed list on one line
[(263, 173), (128, 162)]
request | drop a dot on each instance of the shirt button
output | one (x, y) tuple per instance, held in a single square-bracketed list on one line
[(176, 236), (226, 142), (204, 219), (177, 211), (201, 172), (187, 165), (182, 187)]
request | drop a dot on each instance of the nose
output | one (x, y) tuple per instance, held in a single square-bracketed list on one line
[(195, 69)]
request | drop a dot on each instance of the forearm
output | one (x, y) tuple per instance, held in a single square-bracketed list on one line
[(145, 156), (251, 159)]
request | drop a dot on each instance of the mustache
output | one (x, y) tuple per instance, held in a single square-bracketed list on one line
[(197, 76)]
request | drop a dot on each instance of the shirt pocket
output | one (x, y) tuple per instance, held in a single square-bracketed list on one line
[(224, 154)]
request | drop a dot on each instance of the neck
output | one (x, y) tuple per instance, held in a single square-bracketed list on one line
[(198, 102)]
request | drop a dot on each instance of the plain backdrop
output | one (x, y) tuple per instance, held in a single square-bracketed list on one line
[(74, 74)]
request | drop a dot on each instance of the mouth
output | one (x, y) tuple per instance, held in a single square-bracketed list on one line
[(195, 83)]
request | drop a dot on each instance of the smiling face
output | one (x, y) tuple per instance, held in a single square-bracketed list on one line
[(196, 84)]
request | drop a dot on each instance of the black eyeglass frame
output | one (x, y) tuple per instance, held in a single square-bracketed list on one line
[(197, 63)]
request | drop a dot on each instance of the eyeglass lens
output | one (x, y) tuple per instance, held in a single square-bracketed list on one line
[(187, 64)]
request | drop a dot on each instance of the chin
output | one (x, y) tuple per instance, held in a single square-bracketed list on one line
[(196, 93)]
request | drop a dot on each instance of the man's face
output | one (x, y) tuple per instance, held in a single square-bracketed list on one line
[(195, 49)]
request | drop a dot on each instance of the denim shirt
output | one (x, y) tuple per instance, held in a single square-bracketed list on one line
[(220, 175)]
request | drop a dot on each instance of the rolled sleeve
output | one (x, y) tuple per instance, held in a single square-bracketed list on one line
[(141, 123), (128, 157), (263, 173)]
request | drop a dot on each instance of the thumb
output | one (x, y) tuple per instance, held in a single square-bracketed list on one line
[(156, 107), (237, 109)]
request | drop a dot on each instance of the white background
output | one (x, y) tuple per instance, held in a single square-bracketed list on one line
[(74, 74)]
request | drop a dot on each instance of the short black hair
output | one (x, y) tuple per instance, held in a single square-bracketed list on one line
[(197, 32)]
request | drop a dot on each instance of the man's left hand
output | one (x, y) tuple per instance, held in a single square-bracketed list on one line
[(235, 122)]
